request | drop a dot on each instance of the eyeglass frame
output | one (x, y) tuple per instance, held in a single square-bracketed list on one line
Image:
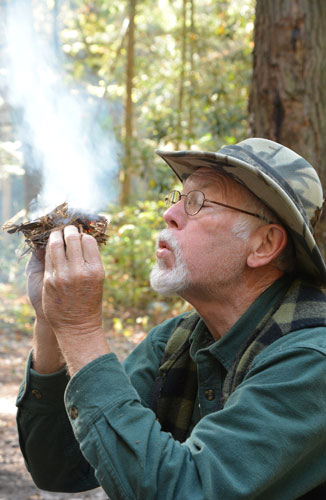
[(167, 200)]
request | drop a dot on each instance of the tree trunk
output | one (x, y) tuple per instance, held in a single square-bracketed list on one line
[(125, 174), (288, 99), (192, 36), (182, 74)]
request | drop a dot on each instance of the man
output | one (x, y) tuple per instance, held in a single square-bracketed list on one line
[(225, 402)]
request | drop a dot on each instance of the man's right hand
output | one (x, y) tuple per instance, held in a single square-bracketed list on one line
[(35, 273), (47, 357)]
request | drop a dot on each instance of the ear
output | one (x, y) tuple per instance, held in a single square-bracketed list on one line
[(267, 242)]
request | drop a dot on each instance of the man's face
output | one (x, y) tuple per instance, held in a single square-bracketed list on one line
[(197, 254)]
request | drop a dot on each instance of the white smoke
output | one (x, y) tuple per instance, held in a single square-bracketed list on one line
[(79, 160)]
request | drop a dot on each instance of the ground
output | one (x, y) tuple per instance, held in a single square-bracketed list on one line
[(15, 481)]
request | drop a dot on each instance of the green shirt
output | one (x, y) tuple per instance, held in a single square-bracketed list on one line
[(268, 442)]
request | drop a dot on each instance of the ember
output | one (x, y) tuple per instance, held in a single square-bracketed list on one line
[(37, 232)]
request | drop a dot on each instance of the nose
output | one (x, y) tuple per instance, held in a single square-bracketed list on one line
[(175, 216)]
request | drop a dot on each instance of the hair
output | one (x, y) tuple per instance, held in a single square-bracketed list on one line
[(285, 261)]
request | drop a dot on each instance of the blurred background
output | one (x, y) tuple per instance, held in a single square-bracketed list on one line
[(88, 90)]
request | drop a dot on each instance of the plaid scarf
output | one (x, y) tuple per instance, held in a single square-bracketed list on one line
[(175, 390)]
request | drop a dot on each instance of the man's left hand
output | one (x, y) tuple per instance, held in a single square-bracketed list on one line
[(72, 294)]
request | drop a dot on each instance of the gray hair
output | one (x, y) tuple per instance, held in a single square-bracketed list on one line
[(285, 261)]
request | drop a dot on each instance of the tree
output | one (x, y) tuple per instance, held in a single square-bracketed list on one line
[(190, 86), (129, 111), (288, 99)]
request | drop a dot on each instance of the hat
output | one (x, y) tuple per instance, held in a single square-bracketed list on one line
[(279, 177)]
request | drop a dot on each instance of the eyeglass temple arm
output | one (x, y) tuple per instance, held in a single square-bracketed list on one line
[(239, 210)]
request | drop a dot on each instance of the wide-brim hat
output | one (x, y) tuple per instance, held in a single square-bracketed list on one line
[(279, 177)]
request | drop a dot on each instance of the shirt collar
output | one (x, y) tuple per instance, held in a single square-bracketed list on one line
[(226, 348)]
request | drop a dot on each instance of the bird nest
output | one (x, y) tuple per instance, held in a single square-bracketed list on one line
[(37, 232)]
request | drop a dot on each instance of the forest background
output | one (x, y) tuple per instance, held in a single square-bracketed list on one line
[(88, 90), (120, 78), (171, 75)]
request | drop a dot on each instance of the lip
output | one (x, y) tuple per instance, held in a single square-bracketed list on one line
[(163, 249), (164, 244)]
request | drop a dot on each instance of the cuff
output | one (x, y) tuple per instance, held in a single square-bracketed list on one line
[(42, 391), (100, 386)]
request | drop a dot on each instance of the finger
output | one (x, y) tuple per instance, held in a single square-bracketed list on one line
[(90, 249), (74, 250), (36, 261), (55, 250), (39, 254)]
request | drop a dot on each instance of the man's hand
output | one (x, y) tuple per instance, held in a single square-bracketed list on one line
[(35, 273), (73, 283), (72, 295), (47, 357)]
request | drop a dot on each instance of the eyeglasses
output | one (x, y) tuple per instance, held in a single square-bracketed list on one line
[(194, 202)]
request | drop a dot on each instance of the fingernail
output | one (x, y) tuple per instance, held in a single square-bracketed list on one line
[(70, 229), (56, 235)]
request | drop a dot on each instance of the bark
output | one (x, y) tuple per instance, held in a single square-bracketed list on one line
[(182, 74), (125, 175), (192, 36), (288, 100)]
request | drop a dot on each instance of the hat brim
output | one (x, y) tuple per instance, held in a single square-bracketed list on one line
[(308, 256)]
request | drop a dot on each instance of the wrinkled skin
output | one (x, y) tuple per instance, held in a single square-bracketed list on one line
[(35, 272), (65, 286), (73, 283)]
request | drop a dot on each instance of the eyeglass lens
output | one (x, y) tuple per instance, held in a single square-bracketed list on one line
[(172, 198), (193, 202)]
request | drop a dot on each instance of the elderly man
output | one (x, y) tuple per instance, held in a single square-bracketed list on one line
[(225, 402)]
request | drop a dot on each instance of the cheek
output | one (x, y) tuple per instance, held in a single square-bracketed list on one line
[(209, 241), (200, 247), (209, 249)]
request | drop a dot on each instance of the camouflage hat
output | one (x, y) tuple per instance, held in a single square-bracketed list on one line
[(279, 177)]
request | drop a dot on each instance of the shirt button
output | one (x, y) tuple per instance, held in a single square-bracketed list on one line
[(36, 394), (209, 394), (73, 412)]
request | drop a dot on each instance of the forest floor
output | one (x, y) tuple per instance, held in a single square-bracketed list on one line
[(15, 481)]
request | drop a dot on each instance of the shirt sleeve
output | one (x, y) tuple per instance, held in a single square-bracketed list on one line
[(51, 452), (268, 442)]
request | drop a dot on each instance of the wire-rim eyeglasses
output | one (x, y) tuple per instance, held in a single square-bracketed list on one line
[(194, 202)]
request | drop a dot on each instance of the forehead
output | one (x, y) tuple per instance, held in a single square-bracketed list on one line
[(209, 178)]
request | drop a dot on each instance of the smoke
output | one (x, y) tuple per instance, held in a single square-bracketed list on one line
[(78, 158)]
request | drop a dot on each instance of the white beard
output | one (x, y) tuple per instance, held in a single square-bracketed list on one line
[(170, 281)]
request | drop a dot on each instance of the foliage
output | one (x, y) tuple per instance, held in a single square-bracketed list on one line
[(130, 305), (215, 78), (16, 312), (215, 75), (11, 265), (130, 254)]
